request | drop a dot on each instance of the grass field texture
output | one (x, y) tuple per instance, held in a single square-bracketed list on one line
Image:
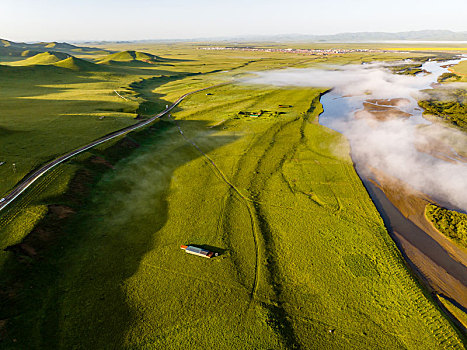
[(460, 315), (53, 102), (305, 260), (90, 257)]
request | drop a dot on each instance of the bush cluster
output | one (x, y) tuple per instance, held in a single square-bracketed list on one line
[(453, 110), (450, 223)]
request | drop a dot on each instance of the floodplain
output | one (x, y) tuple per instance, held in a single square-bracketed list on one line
[(90, 254)]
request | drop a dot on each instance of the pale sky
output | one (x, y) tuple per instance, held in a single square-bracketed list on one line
[(63, 20)]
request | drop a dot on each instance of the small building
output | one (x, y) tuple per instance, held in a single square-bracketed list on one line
[(198, 251)]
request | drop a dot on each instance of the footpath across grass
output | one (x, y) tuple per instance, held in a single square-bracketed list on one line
[(305, 260)]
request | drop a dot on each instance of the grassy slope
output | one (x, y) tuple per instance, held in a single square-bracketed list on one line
[(306, 259), (42, 59), (17, 50), (77, 64), (125, 56)]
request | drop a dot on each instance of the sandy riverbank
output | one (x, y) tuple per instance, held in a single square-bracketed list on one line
[(441, 262), (382, 110)]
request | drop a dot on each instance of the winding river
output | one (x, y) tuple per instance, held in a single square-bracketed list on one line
[(391, 146)]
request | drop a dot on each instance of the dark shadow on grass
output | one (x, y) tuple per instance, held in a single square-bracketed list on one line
[(35, 78), (32, 79), (153, 102), (39, 79), (462, 327), (64, 284)]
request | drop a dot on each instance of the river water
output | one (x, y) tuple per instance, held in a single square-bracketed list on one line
[(391, 147), (378, 113)]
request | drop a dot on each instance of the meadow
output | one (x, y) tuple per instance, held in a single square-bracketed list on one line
[(90, 255), (53, 102)]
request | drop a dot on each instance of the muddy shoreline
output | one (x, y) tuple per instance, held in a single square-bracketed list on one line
[(438, 264)]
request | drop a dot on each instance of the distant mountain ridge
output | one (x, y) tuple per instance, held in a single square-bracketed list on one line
[(11, 48), (419, 35)]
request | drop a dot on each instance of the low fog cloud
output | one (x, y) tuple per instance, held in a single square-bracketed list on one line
[(348, 80), (392, 145)]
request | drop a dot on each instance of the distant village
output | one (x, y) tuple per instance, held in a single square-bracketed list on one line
[(321, 52)]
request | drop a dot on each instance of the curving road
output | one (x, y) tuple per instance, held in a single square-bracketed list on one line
[(28, 181)]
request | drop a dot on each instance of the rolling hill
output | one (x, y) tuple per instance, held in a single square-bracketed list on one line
[(12, 49), (29, 53), (44, 58), (57, 46), (77, 64), (130, 57), (58, 59)]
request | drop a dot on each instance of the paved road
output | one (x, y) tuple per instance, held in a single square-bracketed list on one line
[(25, 183)]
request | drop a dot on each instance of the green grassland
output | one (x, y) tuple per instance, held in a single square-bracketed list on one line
[(47, 110), (130, 56), (305, 260), (52, 102), (413, 47), (450, 223), (55, 101), (449, 78), (90, 257), (44, 58)]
